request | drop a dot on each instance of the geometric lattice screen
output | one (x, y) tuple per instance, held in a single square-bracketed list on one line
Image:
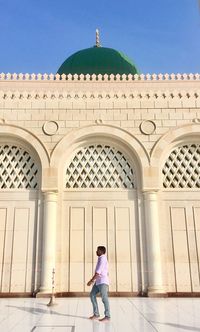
[(182, 168), (99, 166), (17, 168)]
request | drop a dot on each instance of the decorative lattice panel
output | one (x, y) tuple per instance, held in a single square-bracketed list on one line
[(182, 168), (99, 166), (17, 168)]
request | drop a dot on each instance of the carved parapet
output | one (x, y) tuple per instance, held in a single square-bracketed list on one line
[(104, 78)]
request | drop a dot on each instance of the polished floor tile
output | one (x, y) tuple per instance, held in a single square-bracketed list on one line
[(128, 315)]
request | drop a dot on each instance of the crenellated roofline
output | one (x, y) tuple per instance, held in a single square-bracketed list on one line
[(97, 91), (104, 78)]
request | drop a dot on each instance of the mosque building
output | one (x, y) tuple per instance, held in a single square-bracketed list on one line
[(99, 154)]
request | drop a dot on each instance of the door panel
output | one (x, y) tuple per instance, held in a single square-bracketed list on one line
[(183, 227), (123, 249), (17, 246), (94, 223), (77, 226)]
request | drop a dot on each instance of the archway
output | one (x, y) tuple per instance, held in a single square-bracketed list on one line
[(20, 185), (179, 182), (99, 179)]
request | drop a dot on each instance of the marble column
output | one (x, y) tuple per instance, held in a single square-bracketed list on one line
[(48, 240), (155, 279)]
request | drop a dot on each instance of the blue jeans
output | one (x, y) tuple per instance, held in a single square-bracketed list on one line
[(103, 290)]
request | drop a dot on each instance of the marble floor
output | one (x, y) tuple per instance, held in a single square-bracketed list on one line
[(128, 315)]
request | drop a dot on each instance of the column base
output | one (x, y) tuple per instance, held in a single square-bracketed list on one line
[(156, 292), (43, 294)]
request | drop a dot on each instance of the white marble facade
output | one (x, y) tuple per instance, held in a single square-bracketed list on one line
[(87, 161)]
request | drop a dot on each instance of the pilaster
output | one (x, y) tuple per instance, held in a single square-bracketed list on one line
[(155, 279), (49, 240)]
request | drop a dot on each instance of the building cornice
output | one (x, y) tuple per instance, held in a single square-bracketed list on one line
[(99, 95), (180, 90)]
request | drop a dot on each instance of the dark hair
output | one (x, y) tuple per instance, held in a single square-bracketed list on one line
[(102, 248)]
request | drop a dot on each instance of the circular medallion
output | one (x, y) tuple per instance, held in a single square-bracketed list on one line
[(196, 120), (99, 121), (50, 128), (147, 127)]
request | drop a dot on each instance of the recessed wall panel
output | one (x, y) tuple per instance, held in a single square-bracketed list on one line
[(31, 257), (180, 246), (99, 222), (196, 214), (20, 250), (3, 214), (77, 251), (123, 249), (111, 249)]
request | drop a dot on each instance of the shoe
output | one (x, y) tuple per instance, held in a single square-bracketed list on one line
[(94, 317), (105, 319)]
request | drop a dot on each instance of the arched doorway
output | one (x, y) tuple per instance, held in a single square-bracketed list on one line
[(99, 207), (20, 181)]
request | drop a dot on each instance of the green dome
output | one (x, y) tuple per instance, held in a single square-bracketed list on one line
[(98, 60)]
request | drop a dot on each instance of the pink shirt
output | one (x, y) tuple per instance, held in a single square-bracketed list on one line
[(102, 270)]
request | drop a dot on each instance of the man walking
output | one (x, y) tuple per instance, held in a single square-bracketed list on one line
[(101, 285)]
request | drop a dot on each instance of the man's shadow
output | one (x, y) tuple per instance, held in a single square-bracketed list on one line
[(38, 311)]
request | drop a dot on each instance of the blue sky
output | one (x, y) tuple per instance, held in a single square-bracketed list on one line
[(158, 35)]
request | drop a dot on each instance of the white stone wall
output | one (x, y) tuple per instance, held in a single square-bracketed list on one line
[(126, 104), (146, 116)]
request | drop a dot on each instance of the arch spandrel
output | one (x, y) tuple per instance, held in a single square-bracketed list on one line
[(109, 134)]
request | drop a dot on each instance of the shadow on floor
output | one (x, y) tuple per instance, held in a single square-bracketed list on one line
[(37, 311), (179, 326)]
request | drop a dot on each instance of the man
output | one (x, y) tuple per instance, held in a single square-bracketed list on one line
[(100, 286)]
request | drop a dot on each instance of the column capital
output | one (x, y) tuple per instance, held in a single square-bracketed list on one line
[(50, 196), (150, 194), (153, 190)]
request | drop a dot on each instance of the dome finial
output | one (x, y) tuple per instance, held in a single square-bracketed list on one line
[(97, 38)]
